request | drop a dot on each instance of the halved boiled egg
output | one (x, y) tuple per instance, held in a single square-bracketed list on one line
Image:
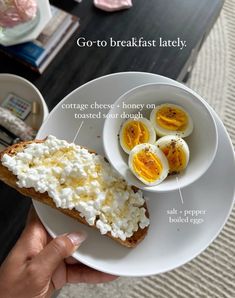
[(176, 151), (171, 119), (136, 131), (148, 164)]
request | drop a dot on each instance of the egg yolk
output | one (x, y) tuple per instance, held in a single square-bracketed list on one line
[(172, 118), (147, 165), (135, 133), (176, 157)]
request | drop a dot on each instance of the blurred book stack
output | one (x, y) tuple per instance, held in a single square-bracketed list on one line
[(38, 54)]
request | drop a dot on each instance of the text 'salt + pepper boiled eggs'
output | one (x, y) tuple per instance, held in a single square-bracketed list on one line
[(171, 119), (148, 164), (136, 131), (176, 151)]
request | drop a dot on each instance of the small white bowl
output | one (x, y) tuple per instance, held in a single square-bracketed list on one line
[(10, 83), (202, 142)]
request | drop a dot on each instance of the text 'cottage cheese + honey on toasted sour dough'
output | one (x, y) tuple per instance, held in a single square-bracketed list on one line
[(76, 178)]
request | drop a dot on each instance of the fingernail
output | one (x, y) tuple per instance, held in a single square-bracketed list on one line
[(77, 238)]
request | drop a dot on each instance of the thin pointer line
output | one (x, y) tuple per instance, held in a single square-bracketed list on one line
[(74, 138), (78, 132), (181, 196)]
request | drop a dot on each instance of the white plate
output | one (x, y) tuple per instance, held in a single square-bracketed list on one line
[(166, 246), (44, 15)]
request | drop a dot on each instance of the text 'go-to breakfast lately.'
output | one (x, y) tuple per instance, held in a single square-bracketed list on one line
[(133, 42)]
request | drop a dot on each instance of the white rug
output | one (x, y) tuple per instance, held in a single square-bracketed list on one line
[(212, 274)]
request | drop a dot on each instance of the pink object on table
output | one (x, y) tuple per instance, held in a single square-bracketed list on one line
[(113, 5), (15, 12)]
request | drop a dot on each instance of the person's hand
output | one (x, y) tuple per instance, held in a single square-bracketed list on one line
[(38, 265)]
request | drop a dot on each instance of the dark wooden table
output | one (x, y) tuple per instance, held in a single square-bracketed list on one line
[(190, 20)]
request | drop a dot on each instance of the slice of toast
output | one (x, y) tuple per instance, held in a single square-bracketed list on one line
[(10, 179)]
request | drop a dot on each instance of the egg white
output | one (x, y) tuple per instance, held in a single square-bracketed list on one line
[(157, 152), (166, 140), (161, 131), (146, 123)]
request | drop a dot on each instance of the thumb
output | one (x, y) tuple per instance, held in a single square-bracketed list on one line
[(57, 250)]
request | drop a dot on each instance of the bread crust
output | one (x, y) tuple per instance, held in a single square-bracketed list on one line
[(10, 179)]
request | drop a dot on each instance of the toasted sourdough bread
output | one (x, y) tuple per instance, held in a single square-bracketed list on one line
[(10, 179)]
